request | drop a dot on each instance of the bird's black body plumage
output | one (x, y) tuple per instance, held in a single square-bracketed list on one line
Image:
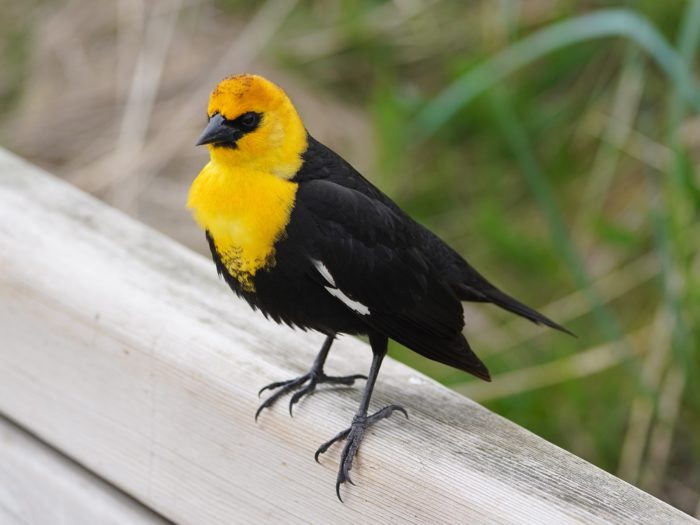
[(345, 236), (310, 242)]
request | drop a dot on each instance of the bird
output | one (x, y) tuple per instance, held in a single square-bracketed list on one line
[(303, 237)]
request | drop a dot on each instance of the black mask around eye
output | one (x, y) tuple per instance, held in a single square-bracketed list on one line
[(225, 133), (248, 121)]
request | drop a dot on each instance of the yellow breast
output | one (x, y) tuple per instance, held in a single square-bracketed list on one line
[(245, 214)]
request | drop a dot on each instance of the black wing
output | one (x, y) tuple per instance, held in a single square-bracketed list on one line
[(320, 162), (372, 258)]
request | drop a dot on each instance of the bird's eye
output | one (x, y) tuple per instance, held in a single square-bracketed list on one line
[(249, 121)]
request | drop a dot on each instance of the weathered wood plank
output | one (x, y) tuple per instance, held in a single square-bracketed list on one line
[(40, 486), (122, 349)]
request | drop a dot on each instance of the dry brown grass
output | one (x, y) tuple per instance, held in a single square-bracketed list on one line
[(115, 96)]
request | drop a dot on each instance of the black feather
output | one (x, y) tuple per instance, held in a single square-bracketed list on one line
[(351, 261)]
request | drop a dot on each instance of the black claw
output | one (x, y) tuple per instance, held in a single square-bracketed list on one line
[(265, 404), (330, 442), (386, 412), (344, 380), (285, 385), (314, 377), (337, 490), (354, 435), (271, 386), (308, 389)]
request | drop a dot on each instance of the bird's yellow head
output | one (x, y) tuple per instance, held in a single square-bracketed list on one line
[(254, 126)]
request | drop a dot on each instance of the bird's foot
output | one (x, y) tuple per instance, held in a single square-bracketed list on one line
[(305, 385), (353, 436)]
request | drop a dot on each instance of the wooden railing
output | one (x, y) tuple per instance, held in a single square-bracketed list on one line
[(121, 351)]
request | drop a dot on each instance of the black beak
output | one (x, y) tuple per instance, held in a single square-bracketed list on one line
[(217, 132)]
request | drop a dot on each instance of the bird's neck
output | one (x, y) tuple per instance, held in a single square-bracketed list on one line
[(245, 212)]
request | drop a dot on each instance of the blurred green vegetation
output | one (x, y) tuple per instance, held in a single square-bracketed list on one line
[(555, 144)]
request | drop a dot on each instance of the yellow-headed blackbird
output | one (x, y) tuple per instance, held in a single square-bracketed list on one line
[(302, 236)]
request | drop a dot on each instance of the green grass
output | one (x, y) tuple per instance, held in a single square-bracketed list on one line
[(527, 153)]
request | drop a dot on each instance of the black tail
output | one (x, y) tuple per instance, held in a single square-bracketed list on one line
[(490, 294)]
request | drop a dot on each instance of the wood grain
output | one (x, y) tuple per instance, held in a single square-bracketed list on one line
[(39, 486), (123, 350)]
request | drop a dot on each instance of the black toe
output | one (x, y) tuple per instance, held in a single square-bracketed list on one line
[(354, 436), (305, 385)]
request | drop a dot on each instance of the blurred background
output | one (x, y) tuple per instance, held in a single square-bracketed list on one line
[(555, 144)]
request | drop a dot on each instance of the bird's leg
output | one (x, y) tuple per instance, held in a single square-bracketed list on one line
[(353, 436), (306, 384)]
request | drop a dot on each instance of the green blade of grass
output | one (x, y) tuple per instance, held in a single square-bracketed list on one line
[(605, 23), (670, 217), (534, 176), (687, 45)]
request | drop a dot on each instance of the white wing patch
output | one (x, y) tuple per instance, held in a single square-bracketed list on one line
[(355, 306), (323, 271)]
